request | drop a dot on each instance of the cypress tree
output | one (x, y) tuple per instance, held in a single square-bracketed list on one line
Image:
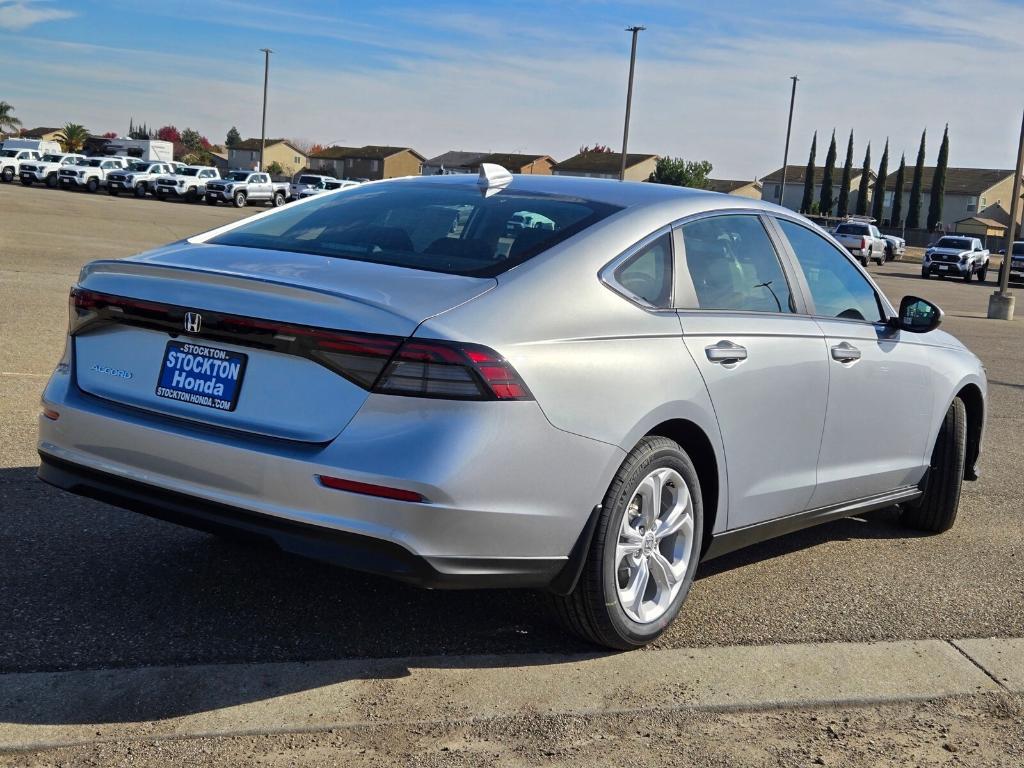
[(825, 201), (865, 177), (805, 204), (939, 183), (883, 172), (914, 204), (844, 186), (896, 216)]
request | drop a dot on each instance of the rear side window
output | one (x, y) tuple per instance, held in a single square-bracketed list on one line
[(837, 287), (441, 228), (647, 274), (733, 265)]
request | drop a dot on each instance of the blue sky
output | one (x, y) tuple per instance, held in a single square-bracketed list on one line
[(712, 78)]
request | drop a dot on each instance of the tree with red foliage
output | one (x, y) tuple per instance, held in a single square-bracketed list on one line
[(169, 133), (595, 148), (110, 135), (316, 149)]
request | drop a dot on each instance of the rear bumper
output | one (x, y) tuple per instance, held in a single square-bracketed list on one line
[(362, 553)]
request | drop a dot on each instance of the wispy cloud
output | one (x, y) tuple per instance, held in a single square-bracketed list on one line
[(16, 15)]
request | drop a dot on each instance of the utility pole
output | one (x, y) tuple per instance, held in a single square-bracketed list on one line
[(263, 128), (629, 99), (789, 129), (1000, 303)]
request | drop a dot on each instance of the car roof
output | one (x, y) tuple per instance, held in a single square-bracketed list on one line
[(627, 194)]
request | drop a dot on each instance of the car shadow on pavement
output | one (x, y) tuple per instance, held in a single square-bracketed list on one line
[(92, 588)]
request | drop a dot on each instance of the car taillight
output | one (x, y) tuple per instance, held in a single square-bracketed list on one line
[(448, 370), (863, 243), (376, 362)]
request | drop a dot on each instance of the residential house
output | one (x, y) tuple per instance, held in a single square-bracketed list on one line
[(43, 134), (771, 186), (453, 162), (516, 163), (370, 162), (246, 155), (740, 188), (606, 165), (968, 192), (988, 223)]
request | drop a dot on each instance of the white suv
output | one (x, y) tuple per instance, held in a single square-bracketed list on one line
[(11, 160), (45, 169), (139, 177), (189, 183), (92, 175)]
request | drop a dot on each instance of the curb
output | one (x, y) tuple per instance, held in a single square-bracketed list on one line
[(51, 709)]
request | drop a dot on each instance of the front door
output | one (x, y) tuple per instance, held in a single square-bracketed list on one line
[(761, 360), (880, 401)]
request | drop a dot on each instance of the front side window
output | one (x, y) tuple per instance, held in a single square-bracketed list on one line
[(837, 286), (647, 274), (440, 228), (733, 265)]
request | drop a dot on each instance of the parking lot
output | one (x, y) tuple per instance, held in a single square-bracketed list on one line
[(87, 586)]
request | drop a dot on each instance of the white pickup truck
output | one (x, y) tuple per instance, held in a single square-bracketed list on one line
[(92, 175), (11, 160), (45, 169), (139, 177), (863, 240), (958, 255), (189, 183), (243, 187)]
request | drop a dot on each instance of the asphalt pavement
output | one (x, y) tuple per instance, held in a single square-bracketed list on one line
[(87, 586)]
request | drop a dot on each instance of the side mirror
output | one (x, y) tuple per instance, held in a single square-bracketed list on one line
[(917, 315)]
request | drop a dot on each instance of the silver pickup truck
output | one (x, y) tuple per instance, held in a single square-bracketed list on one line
[(243, 187), (863, 240), (959, 255)]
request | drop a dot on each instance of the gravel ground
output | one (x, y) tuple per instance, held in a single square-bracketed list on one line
[(978, 731), (84, 585)]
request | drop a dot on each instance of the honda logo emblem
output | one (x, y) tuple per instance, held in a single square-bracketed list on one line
[(193, 322)]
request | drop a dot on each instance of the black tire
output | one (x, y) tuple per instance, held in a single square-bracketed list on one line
[(26, 181), (140, 189), (51, 180), (968, 275), (983, 273), (925, 274), (592, 610), (240, 199), (279, 200), (190, 195), (7, 175), (935, 511), (92, 184)]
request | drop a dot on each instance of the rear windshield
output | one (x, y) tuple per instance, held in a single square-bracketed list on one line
[(449, 229), (1018, 249), (852, 229), (309, 179)]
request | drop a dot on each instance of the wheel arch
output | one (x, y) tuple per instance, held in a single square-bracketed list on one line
[(974, 404)]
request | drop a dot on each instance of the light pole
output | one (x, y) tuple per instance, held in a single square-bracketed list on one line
[(1000, 303), (789, 129), (629, 99), (263, 127)]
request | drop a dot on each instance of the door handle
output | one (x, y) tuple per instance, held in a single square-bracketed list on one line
[(845, 352), (726, 352)]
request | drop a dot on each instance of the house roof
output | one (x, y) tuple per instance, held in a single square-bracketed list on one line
[(369, 152), (601, 162), (38, 133), (513, 161), (251, 145), (729, 185), (992, 216), (796, 174), (959, 181), (457, 159)]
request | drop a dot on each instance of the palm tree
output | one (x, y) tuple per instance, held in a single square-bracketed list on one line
[(7, 120), (73, 137)]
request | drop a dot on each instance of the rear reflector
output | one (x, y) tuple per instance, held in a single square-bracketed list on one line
[(51, 414), (368, 489)]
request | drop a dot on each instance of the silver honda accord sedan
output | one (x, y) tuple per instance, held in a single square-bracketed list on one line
[(578, 385)]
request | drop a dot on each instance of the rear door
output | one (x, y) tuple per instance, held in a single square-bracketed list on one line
[(879, 398), (761, 360)]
